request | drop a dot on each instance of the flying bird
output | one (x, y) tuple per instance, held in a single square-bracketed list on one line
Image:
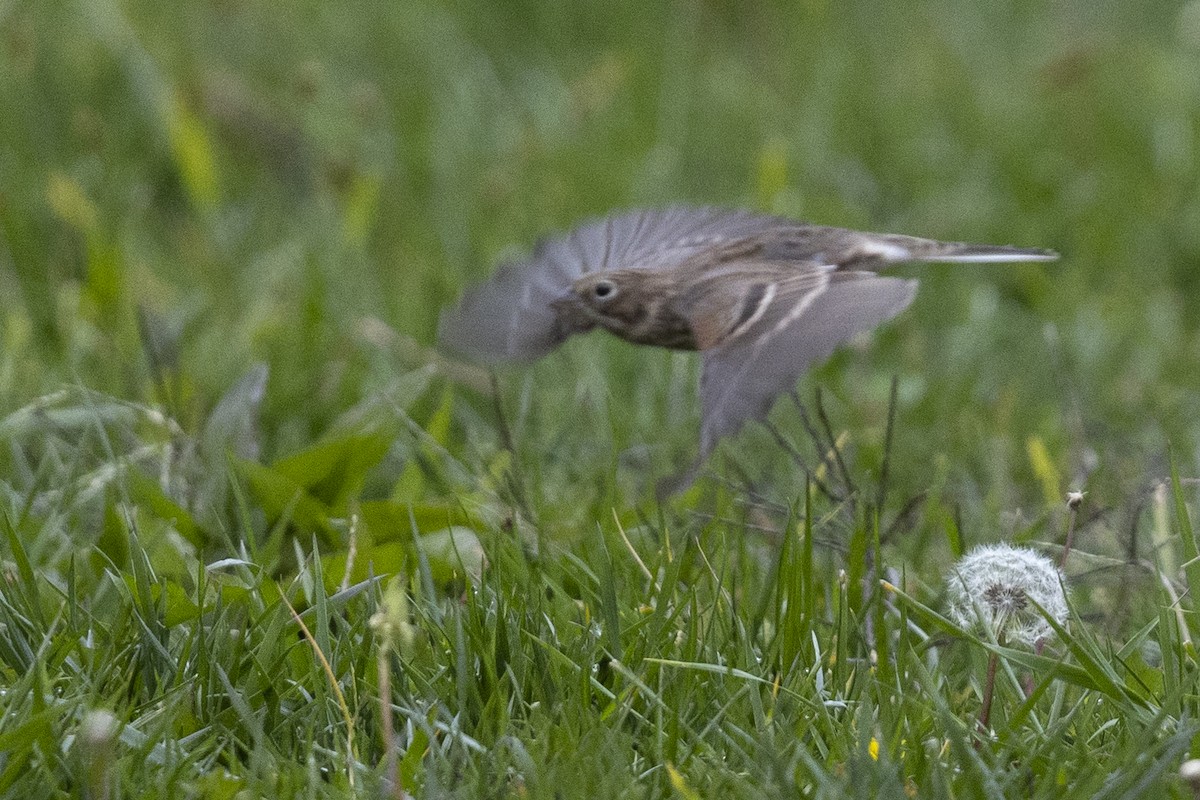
[(761, 297)]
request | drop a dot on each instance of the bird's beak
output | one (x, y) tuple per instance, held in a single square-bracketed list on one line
[(570, 314), (565, 301)]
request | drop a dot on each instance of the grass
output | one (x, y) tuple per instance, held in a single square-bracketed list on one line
[(260, 540)]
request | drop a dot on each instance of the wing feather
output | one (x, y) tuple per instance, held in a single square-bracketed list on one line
[(741, 379), (727, 302)]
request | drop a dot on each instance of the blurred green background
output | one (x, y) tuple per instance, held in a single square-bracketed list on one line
[(188, 189), (226, 231)]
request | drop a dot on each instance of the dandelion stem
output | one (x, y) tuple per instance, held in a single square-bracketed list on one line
[(1074, 500), (387, 733), (1062, 561), (989, 690)]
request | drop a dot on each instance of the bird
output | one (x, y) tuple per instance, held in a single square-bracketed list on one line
[(760, 297)]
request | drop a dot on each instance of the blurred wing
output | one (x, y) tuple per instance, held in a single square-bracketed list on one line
[(509, 317), (742, 377), (654, 239)]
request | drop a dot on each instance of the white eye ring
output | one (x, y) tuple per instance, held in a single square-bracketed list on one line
[(604, 290)]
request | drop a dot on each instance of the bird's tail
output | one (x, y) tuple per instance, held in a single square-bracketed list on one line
[(868, 249), (959, 252)]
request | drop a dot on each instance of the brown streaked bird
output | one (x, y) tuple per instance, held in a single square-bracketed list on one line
[(761, 297)]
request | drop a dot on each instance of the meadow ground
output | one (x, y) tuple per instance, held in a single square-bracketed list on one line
[(261, 540)]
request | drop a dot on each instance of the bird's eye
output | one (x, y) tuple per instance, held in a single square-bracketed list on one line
[(603, 290)]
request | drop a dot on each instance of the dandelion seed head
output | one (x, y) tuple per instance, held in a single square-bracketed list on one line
[(99, 728), (1190, 772), (1005, 599), (998, 587)]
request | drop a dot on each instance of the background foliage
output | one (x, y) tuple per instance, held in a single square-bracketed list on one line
[(228, 226)]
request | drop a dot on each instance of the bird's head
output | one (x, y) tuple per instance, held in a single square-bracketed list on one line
[(613, 299)]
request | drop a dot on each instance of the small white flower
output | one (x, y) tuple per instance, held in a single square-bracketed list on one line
[(992, 586)]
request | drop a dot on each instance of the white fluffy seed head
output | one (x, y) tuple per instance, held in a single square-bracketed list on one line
[(992, 586), (1190, 772), (98, 729)]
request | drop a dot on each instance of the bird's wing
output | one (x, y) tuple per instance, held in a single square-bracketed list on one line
[(509, 317), (650, 239), (729, 299), (802, 325)]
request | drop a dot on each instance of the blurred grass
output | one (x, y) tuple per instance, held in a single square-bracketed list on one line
[(226, 229)]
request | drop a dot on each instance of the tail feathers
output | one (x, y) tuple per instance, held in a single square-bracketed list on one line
[(894, 248), (980, 254)]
